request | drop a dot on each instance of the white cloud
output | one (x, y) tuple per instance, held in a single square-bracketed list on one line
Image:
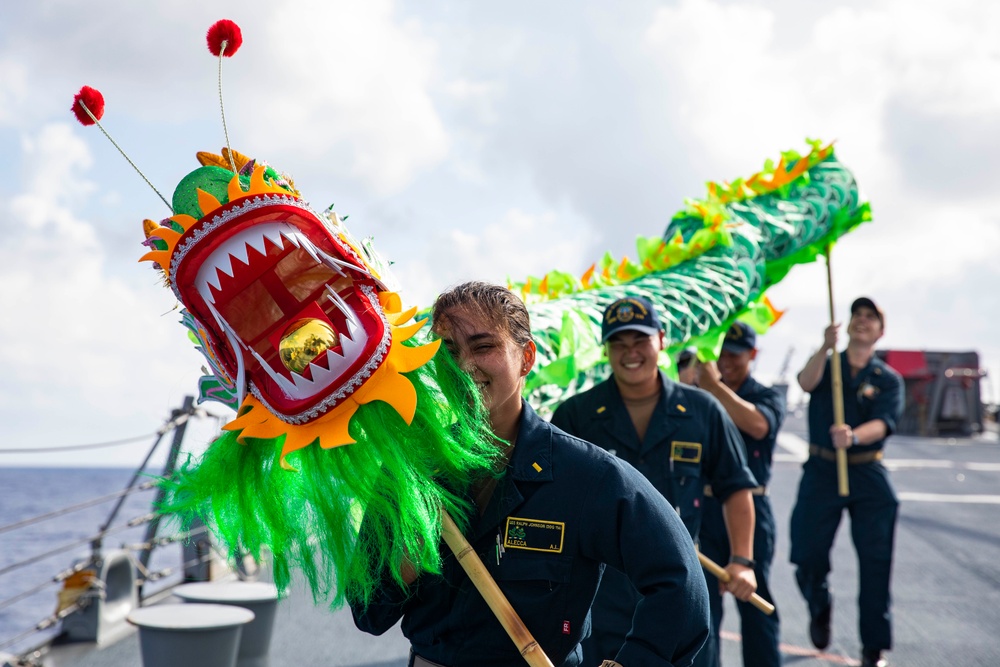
[(516, 246), (349, 91), (73, 339), (13, 87)]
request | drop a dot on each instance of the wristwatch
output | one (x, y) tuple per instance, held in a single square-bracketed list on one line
[(745, 562), (854, 439)]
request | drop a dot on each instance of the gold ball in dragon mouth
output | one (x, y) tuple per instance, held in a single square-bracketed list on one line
[(304, 341)]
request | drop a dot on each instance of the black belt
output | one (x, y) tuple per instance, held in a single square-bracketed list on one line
[(755, 491), (828, 454)]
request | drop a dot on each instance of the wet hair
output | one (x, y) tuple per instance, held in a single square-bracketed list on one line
[(497, 304)]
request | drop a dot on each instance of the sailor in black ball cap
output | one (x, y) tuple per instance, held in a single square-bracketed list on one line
[(873, 402), (679, 437), (757, 411)]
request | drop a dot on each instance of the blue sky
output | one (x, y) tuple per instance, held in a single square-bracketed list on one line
[(476, 140)]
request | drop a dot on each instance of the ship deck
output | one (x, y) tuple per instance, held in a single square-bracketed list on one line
[(946, 581)]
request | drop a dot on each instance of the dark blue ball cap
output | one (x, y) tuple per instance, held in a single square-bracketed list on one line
[(632, 313), (740, 338), (866, 302)]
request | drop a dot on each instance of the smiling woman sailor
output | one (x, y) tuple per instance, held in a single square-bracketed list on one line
[(556, 513)]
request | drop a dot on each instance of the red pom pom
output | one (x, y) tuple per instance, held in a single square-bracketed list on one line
[(224, 30), (94, 101)]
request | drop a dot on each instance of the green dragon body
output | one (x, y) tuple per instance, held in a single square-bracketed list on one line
[(712, 265)]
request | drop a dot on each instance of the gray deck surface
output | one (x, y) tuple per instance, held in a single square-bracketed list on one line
[(946, 584)]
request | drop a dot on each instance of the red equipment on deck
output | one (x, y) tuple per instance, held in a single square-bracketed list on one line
[(942, 391)]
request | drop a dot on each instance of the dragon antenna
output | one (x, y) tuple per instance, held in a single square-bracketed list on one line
[(88, 107), (224, 40)]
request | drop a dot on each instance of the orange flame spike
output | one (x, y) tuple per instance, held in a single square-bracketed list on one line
[(411, 358), (207, 202), (161, 257), (235, 189), (184, 220), (257, 183), (390, 302), (407, 332), (399, 318), (166, 234)]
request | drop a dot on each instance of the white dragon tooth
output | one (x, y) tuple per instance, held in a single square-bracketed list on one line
[(206, 292), (223, 262), (276, 233), (348, 265), (353, 347), (258, 240), (310, 249), (218, 318), (292, 235), (284, 383), (343, 307), (240, 253), (331, 263), (235, 343), (232, 247), (304, 384), (210, 277)]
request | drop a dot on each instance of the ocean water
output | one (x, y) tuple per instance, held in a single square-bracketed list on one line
[(30, 492)]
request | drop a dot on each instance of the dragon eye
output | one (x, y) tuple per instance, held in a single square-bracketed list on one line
[(303, 341)]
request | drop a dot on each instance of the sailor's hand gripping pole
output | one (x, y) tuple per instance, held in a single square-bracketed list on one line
[(480, 576), (838, 388), (719, 573)]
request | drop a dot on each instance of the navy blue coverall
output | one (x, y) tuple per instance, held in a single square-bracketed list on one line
[(876, 392), (561, 511), (760, 631), (690, 442)]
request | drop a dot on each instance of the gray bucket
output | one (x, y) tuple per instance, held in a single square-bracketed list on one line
[(260, 598), (192, 635)]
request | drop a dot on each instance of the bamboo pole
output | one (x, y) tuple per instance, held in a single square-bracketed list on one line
[(843, 488), (723, 576), (480, 576)]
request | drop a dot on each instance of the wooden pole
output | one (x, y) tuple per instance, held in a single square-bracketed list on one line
[(723, 576), (480, 576), (837, 379)]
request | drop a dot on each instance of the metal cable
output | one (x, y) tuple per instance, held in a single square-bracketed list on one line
[(62, 576), (73, 508), (87, 540), (168, 426), (167, 539), (43, 624), (65, 448), (150, 577)]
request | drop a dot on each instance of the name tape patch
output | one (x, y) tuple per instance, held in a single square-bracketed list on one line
[(687, 452), (534, 535)]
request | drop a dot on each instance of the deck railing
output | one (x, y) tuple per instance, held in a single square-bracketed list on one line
[(79, 587)]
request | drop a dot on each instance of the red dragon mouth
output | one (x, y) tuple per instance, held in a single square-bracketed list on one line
[(251, 272)]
